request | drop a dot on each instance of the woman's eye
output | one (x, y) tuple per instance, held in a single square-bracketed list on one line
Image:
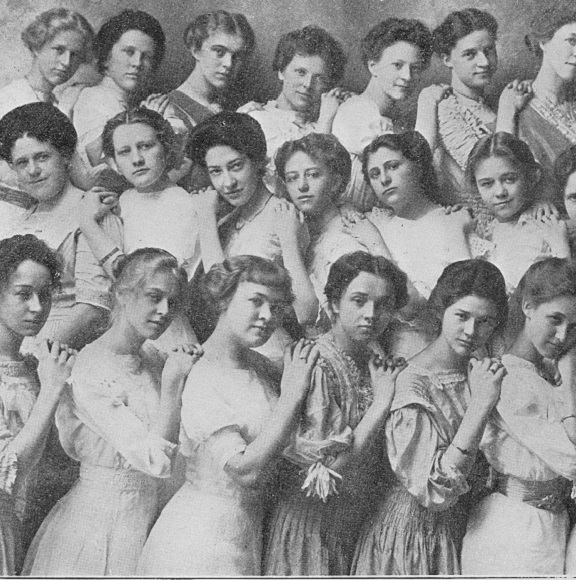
[(257, 301), (511, 180), (461, 316), (220, 52), (572, 41), (291, 178), (392, 165), (25, 294), (470, 54), (485, 184), (214, 172), (129, 51), (397, 65), (123, 152), (237, 166), (300, 72), (313, 174), (374, 174)]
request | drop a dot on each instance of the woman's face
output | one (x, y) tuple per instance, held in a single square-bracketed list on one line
[(149, 309), (304, 80), (26, 300), (60, 57), (131, 61), (219, 58), (310, 184), (42, 170), (551, 325), (233, 174), (398, 70), (474, 59), (559, 53), (504, 188), (570, 196), (253, 314), (468, 324), (139, 155), (394, 179), (365, 308)]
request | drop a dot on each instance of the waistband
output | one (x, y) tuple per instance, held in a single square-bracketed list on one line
[(550, 495), (119, 478)]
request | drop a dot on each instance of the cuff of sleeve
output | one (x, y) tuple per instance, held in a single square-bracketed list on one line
[(450, 477), (8, 471)]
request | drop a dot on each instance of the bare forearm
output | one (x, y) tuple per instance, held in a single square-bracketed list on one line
[(305, 303), (100, 243), (168, 422), (210, 245), (79, 327)]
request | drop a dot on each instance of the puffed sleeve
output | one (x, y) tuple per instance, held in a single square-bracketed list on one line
[(322, 434), (209, 419), (357, 123), (415, 452), (97, 404), (8, 459), (92, 282), (459, 227), (523, 414)]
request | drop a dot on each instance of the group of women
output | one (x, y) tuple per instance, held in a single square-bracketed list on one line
[(299, 338)]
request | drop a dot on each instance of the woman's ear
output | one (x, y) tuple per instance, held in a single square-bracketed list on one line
[(527, 309), (371, 64), (446, 60)]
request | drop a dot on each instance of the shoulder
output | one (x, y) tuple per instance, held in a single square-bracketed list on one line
[(412, 388), (357, 105), (453, 220)]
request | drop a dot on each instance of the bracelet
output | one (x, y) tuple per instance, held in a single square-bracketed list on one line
[(108, 256), (465, 452), (567, 417)]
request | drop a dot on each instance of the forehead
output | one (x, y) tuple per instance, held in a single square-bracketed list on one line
[(133, 132), (493, 165), (313, 63), (476, 39), (137, 39), (162, 280), (70, 38), (402, 51), (301, 160), (565, 305), (222, 155), (248, 289), (375, 286), (570, 183), (475, 305), (233, 42), (30, 145), (30, 273), (566, 30), (383, 155)]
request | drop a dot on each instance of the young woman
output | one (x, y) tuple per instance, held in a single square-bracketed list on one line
[(39, 141), (156, 213), (466, 43), (234, 428), (565, 175), (309, 62), (29, 273), (315, 170), (530, 440), (60, 40), (440, 409), (232, 147), (548, 123), (400, 170), (314, 528), (396, 52), (120, 420), (505, 174)]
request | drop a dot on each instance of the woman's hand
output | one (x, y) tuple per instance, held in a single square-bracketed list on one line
[(299, 361), (431, 96), (515, 96), (249, 107), (384, 373), (362, 230), (485, 379), (540, 209), (448, 209), (555, 232), (156, 102), (178, 366), (287, 224), (54, 367), (329, 103), (96, 203), (207, 200)]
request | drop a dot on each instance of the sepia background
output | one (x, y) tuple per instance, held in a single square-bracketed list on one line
[(347, 20)]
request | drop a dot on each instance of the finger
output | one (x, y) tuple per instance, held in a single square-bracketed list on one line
[(305, 351), (55, 349), (63, 357)]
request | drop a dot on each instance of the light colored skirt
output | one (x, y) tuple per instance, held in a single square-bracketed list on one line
[(506, 536), (205, 533), (11, 555), (98, 528)]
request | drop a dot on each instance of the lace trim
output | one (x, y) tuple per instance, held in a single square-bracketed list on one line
[(321, 481), (442, 379), (562, 117)]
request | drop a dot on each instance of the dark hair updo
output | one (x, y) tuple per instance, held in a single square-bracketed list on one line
[(545, 24)]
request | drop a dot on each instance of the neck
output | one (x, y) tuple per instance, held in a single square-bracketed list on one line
[(420, 206), (224, 348), (50, 204), (385, 104), (200, 87), (37, 80), (319, 221), (358, 351), (524, 348), (302, 117), (549, 84), (475, 93), (125, 94), (122, 339), (159, 185), (10, 344), (256, 202), (439, 356)]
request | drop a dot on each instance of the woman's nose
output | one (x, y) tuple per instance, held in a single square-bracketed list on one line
[(34, 304), (482, 59), (470, 327), (65, 58), (406, 73), (303, 184)]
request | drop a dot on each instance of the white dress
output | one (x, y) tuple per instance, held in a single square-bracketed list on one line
[(524, 440), (423, 248), (357, 123), (106, 422), (213, 525)]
